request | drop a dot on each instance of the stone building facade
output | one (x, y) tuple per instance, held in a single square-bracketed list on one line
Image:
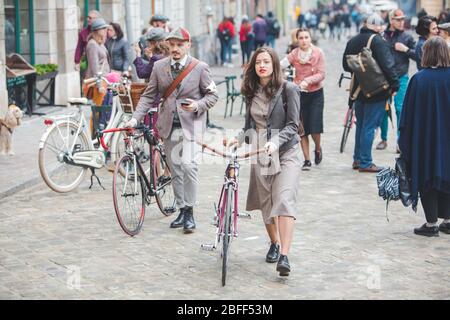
[(54, 26)]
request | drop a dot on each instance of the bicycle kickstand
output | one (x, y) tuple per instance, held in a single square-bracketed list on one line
[(92, 179)]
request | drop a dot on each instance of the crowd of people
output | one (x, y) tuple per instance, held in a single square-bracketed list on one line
[(421, 104), (299, 105), (263, 31)]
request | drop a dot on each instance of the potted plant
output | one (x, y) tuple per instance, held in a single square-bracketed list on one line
[(46, 71)]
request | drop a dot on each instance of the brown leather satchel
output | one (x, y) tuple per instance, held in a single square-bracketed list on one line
[(365, 68), (178, 80)]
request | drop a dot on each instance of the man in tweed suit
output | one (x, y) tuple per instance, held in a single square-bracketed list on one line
[(179, 124)]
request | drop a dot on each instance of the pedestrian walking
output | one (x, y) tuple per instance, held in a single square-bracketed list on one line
[(181, 118), (425, 136), (97, 60), (260, 31), (271, 121), (159, 21), (309, 63), (246, 37), (273, 29), (156, 49), (83, 39), (402, 46), (226, 33), (426, 28), (118, 49), (370, 110)]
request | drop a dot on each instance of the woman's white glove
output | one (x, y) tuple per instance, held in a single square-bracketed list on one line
[(270, 148), (232, 143), (131, 124)]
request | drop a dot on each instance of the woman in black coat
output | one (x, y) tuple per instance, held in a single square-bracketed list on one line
[(425, 136)]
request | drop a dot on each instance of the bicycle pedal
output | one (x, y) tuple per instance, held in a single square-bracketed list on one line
[(244, 216), (207, 247)]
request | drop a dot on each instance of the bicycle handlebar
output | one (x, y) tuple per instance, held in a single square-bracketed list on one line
[(224, 155)]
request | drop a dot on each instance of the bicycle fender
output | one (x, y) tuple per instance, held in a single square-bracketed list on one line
[(47, 132)]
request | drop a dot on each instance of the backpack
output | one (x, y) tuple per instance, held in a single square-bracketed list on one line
[(366, 70), (274, 28), (301, 129), (225, 34)]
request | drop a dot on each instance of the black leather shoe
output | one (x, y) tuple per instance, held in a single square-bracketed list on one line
[(444, 227), (179, 221), (283, 266), (274, 253), (189, 223), (318, 156), (427, 231)]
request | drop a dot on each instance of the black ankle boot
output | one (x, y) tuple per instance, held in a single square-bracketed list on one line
[(179, 221), (274, 253), (283, 266), (424, 230), (189, 223)]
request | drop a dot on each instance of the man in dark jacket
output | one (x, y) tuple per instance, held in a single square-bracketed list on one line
[(370, 111), (402, 47)]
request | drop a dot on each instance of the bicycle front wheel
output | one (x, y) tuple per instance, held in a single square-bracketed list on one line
[(347, 127), (162, 183), (129, 195), (59, 175), (226, 238)]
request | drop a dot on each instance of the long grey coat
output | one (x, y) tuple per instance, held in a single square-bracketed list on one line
[(282, 124), (198, 85)]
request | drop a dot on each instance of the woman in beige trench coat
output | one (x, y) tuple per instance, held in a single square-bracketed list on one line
[(272, 119)]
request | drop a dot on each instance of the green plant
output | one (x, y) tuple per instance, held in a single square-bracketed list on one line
[(45, 68)]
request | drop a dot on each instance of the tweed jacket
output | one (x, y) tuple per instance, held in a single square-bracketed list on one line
[(197, 85), (282, 123)]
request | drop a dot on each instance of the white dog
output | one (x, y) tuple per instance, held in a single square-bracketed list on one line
[(12, 120)]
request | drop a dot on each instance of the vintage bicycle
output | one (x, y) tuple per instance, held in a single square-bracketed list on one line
[(226, 213), (134, 185), (350, 118), (66, 150)]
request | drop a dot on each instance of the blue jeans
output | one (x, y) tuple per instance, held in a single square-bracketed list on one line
[(398, 102), (368, 119), (226, 50), (270, 40)]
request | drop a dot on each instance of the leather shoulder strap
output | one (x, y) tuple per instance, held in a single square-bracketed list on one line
[(369, 43), (180, 78)]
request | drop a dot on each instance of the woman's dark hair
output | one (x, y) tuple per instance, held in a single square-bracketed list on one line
[(251, 79), (423, 26), (117, 30), (435, 53), (302, 30)]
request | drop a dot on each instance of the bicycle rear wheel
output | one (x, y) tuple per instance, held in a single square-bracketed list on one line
[(347, 127), (56, 172), (226, 239), (129, 195), (162, 183)]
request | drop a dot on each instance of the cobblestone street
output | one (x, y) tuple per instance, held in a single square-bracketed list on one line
[(70, 246)]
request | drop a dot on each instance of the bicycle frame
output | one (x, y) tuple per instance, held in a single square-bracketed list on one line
[(230, 185), (89, 157)]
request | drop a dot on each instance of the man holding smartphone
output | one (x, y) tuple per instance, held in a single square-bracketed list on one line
[(181, 117)]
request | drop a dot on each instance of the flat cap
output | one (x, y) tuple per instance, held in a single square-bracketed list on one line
[(444, 26), (180, 34), (375, 19), (155, 34)]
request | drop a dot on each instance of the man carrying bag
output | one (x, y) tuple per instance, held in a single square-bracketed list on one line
[(188, 92), (377, 82)]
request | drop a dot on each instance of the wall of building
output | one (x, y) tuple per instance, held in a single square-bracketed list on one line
[(3, 91), (433, 7)]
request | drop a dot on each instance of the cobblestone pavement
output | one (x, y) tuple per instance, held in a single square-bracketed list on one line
[(70, 246)]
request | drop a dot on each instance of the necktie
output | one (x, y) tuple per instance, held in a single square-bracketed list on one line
[(177, 66)]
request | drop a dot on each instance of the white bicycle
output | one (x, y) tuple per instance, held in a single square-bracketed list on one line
[(65, 149)]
